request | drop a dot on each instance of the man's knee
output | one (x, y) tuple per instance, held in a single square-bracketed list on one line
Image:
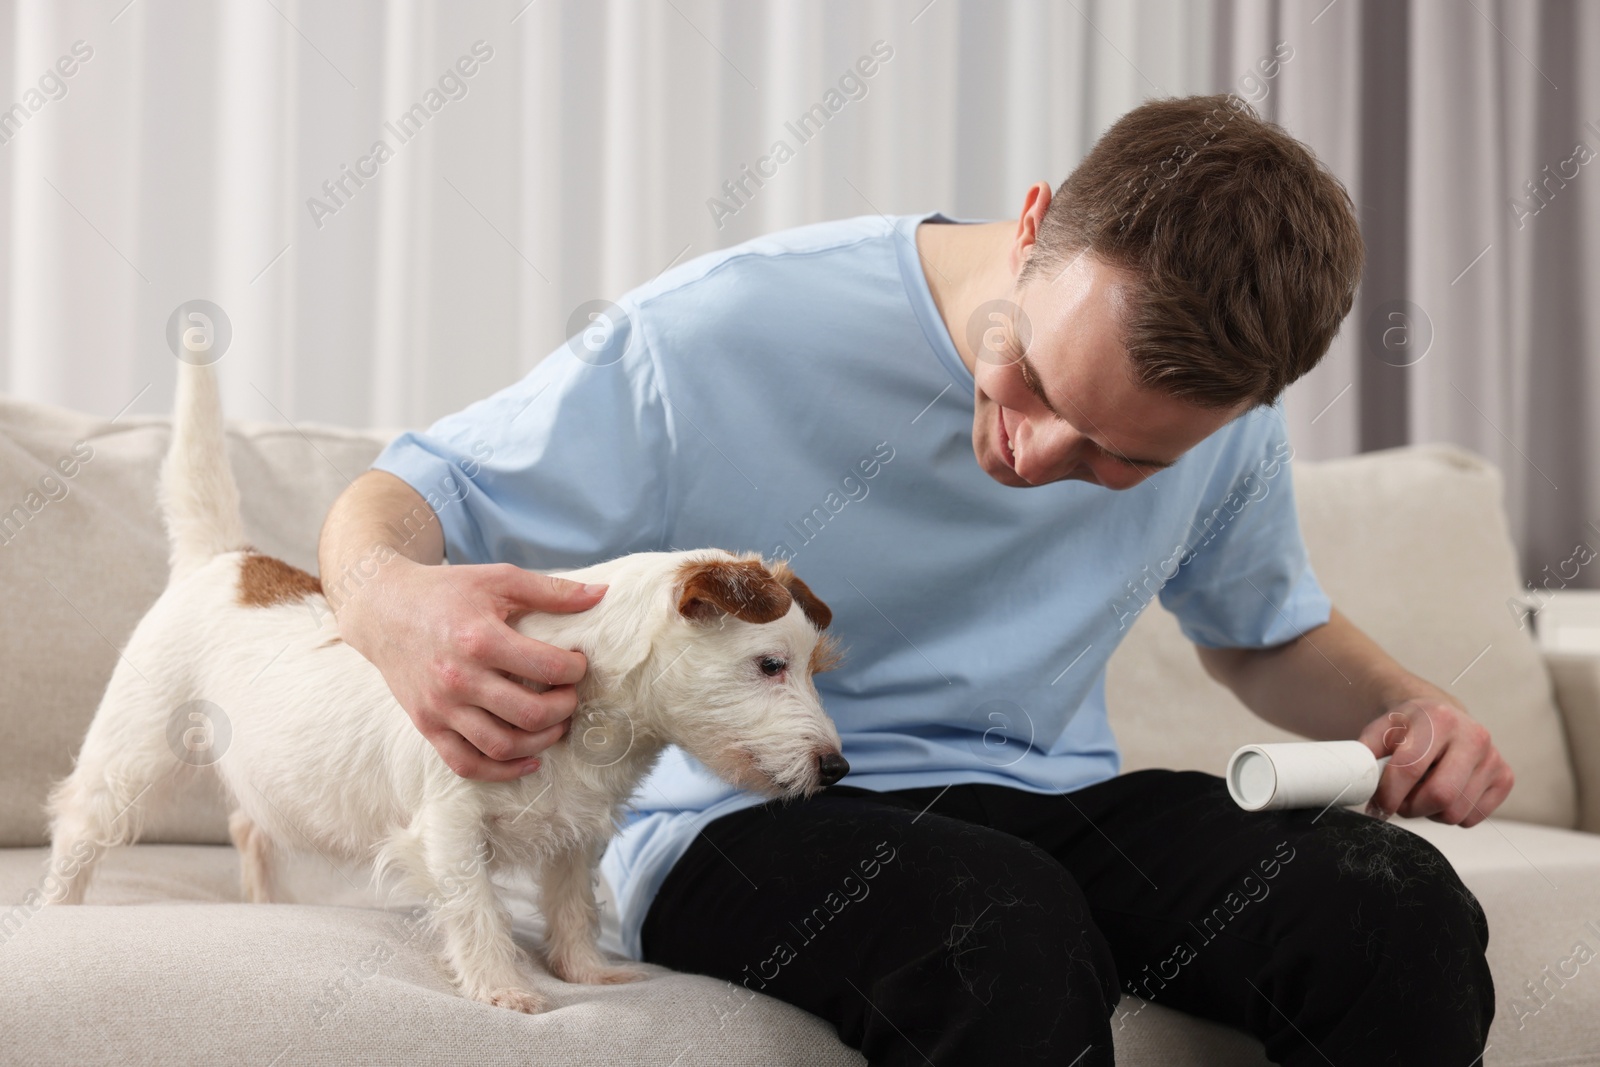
[(1395, 930), (1010, 918), (1388, 870), (998, 945)]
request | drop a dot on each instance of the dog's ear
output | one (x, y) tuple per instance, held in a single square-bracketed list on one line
[(709, 589), (809, 602)]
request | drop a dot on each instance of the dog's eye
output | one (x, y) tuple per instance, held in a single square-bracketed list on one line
[(772, 666)]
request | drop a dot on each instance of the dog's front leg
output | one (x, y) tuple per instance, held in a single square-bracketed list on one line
[(479, 949), (572, 922), (256, 859)]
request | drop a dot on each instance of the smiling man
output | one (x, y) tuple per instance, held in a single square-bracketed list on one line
[(980, 443)]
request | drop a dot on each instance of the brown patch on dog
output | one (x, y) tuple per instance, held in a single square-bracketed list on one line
[(267, 580), (744, 589), (809, 602), (826, 654)]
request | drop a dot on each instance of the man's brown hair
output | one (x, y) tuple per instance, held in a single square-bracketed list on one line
[(1246, 249)]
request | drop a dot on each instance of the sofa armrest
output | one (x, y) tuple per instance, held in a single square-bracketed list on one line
[(1576, 677), (1567, 624)]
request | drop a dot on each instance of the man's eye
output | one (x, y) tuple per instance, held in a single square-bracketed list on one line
[(1122, 460), (772, 666)]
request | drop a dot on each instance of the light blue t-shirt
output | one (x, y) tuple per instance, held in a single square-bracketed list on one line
[(799, 396)]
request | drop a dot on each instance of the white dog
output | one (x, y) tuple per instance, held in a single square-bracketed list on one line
[(701, 649)]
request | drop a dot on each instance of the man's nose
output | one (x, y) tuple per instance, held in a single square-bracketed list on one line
[(1044, 454), (831, 767)]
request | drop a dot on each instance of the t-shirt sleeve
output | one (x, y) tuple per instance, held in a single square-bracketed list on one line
[(567, 467), (1245, 580)]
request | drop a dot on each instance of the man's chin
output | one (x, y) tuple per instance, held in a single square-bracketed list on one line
[(1006, 476)]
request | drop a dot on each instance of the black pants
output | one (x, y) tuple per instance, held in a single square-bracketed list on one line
[(985, 925)]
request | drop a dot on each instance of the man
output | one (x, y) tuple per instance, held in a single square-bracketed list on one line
[(983, 884)]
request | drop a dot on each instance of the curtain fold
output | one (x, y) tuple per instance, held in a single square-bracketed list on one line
[(539, 155)]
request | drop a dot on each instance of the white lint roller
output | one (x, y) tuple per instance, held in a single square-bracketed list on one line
[(1303, 774)]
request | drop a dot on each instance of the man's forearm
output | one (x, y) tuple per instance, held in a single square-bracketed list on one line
[(1327, 684), (376, 519)]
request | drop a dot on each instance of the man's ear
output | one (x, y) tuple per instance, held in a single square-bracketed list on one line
[(710, 589), (809, 602), (1035, 203)]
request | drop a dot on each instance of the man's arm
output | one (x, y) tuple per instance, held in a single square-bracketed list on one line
[(1334, 683), (440, 636)]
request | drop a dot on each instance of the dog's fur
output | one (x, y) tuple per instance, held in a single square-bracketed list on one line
[(322, 755)]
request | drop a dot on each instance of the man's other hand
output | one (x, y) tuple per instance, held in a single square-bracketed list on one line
[(1442, 763)]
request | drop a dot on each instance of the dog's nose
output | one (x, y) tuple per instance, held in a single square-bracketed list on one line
[(831, 768)]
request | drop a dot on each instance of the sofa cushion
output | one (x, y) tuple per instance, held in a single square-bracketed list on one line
[(167, 959), (1412, 545), (200, 976), (83, 556), (191, 976)]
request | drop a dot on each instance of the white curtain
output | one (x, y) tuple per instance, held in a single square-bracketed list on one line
[(587, 149)]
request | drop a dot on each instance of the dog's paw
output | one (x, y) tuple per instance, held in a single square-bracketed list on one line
[(619, 974), (523, 1000), (603, 974)]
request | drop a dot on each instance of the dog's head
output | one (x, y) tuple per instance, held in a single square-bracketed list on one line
[(735, 664)]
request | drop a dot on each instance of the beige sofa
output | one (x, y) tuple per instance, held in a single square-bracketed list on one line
[(164, 965)]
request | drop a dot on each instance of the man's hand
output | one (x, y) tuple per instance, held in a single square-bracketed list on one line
[(1442, 763), (442, 636), (442, 640), (1325, 685)]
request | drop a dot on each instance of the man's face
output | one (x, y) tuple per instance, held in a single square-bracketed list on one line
[(1056, 399)]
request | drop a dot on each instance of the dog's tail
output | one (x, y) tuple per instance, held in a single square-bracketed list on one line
[(199, 498)]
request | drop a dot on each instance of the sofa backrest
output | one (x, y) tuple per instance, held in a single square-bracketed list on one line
[(1412, 545)]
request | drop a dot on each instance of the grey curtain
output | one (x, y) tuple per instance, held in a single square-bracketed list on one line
[(1469, 135), (588, 153)]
